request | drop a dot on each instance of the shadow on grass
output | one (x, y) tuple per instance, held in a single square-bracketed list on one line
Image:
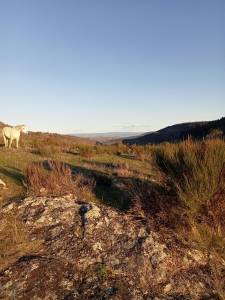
[(155, 201), (107, 190), (72, 152), (98, 164), (123, 192), (13, 173)]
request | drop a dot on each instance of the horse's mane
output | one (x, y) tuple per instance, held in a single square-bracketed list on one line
[(20, 126)]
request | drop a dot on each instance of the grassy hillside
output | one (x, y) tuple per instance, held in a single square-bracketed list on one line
[(81, 154), (176, 189)]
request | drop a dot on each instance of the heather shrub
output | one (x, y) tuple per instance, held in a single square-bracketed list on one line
[(54, 178), (50, 178)]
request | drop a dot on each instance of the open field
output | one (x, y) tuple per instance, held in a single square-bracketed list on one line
[(110, 162)]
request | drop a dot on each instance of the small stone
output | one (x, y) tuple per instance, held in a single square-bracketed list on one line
[(34, 266), (2, 183), (114, 262), (10, 206), (97, 247), (196, 255), (42, 190), (168, 288)]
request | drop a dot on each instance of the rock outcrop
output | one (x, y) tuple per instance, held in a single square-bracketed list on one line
[(90, 251)]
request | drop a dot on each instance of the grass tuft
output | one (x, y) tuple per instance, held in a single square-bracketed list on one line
[(14, 241), (194, 169), (55, 178)]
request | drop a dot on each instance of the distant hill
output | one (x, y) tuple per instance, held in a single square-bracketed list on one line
[(107, 136), (178, 132)]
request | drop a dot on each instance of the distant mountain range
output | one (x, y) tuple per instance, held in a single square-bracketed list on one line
[(178, 132), (107, 136)]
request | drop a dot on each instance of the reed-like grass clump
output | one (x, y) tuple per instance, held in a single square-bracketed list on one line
[(194, 169)]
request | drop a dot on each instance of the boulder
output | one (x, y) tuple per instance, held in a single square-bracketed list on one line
[(91, 251)]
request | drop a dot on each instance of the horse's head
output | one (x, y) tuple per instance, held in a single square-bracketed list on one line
[(23, 128)]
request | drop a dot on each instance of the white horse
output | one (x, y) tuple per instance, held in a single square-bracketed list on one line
[(13, 133)]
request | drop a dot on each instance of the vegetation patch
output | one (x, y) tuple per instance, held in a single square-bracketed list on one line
[(55, 178), (194, 169), (14, 241)]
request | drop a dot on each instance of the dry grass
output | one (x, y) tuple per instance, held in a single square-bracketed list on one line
[(86, 151), (142, 153), (49, 178), (122, 170), (84, 187), (36, 140), (48, 151), (216, 206), (14, 241), (54, 178), (194, 169)]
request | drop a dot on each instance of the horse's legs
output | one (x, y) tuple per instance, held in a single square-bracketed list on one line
[(10, 143), (5, 141), (17, 143)]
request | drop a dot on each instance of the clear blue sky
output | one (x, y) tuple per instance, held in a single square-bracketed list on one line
[(111, 65)]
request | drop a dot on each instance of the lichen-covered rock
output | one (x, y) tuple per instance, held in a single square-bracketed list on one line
[(92, 251)]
